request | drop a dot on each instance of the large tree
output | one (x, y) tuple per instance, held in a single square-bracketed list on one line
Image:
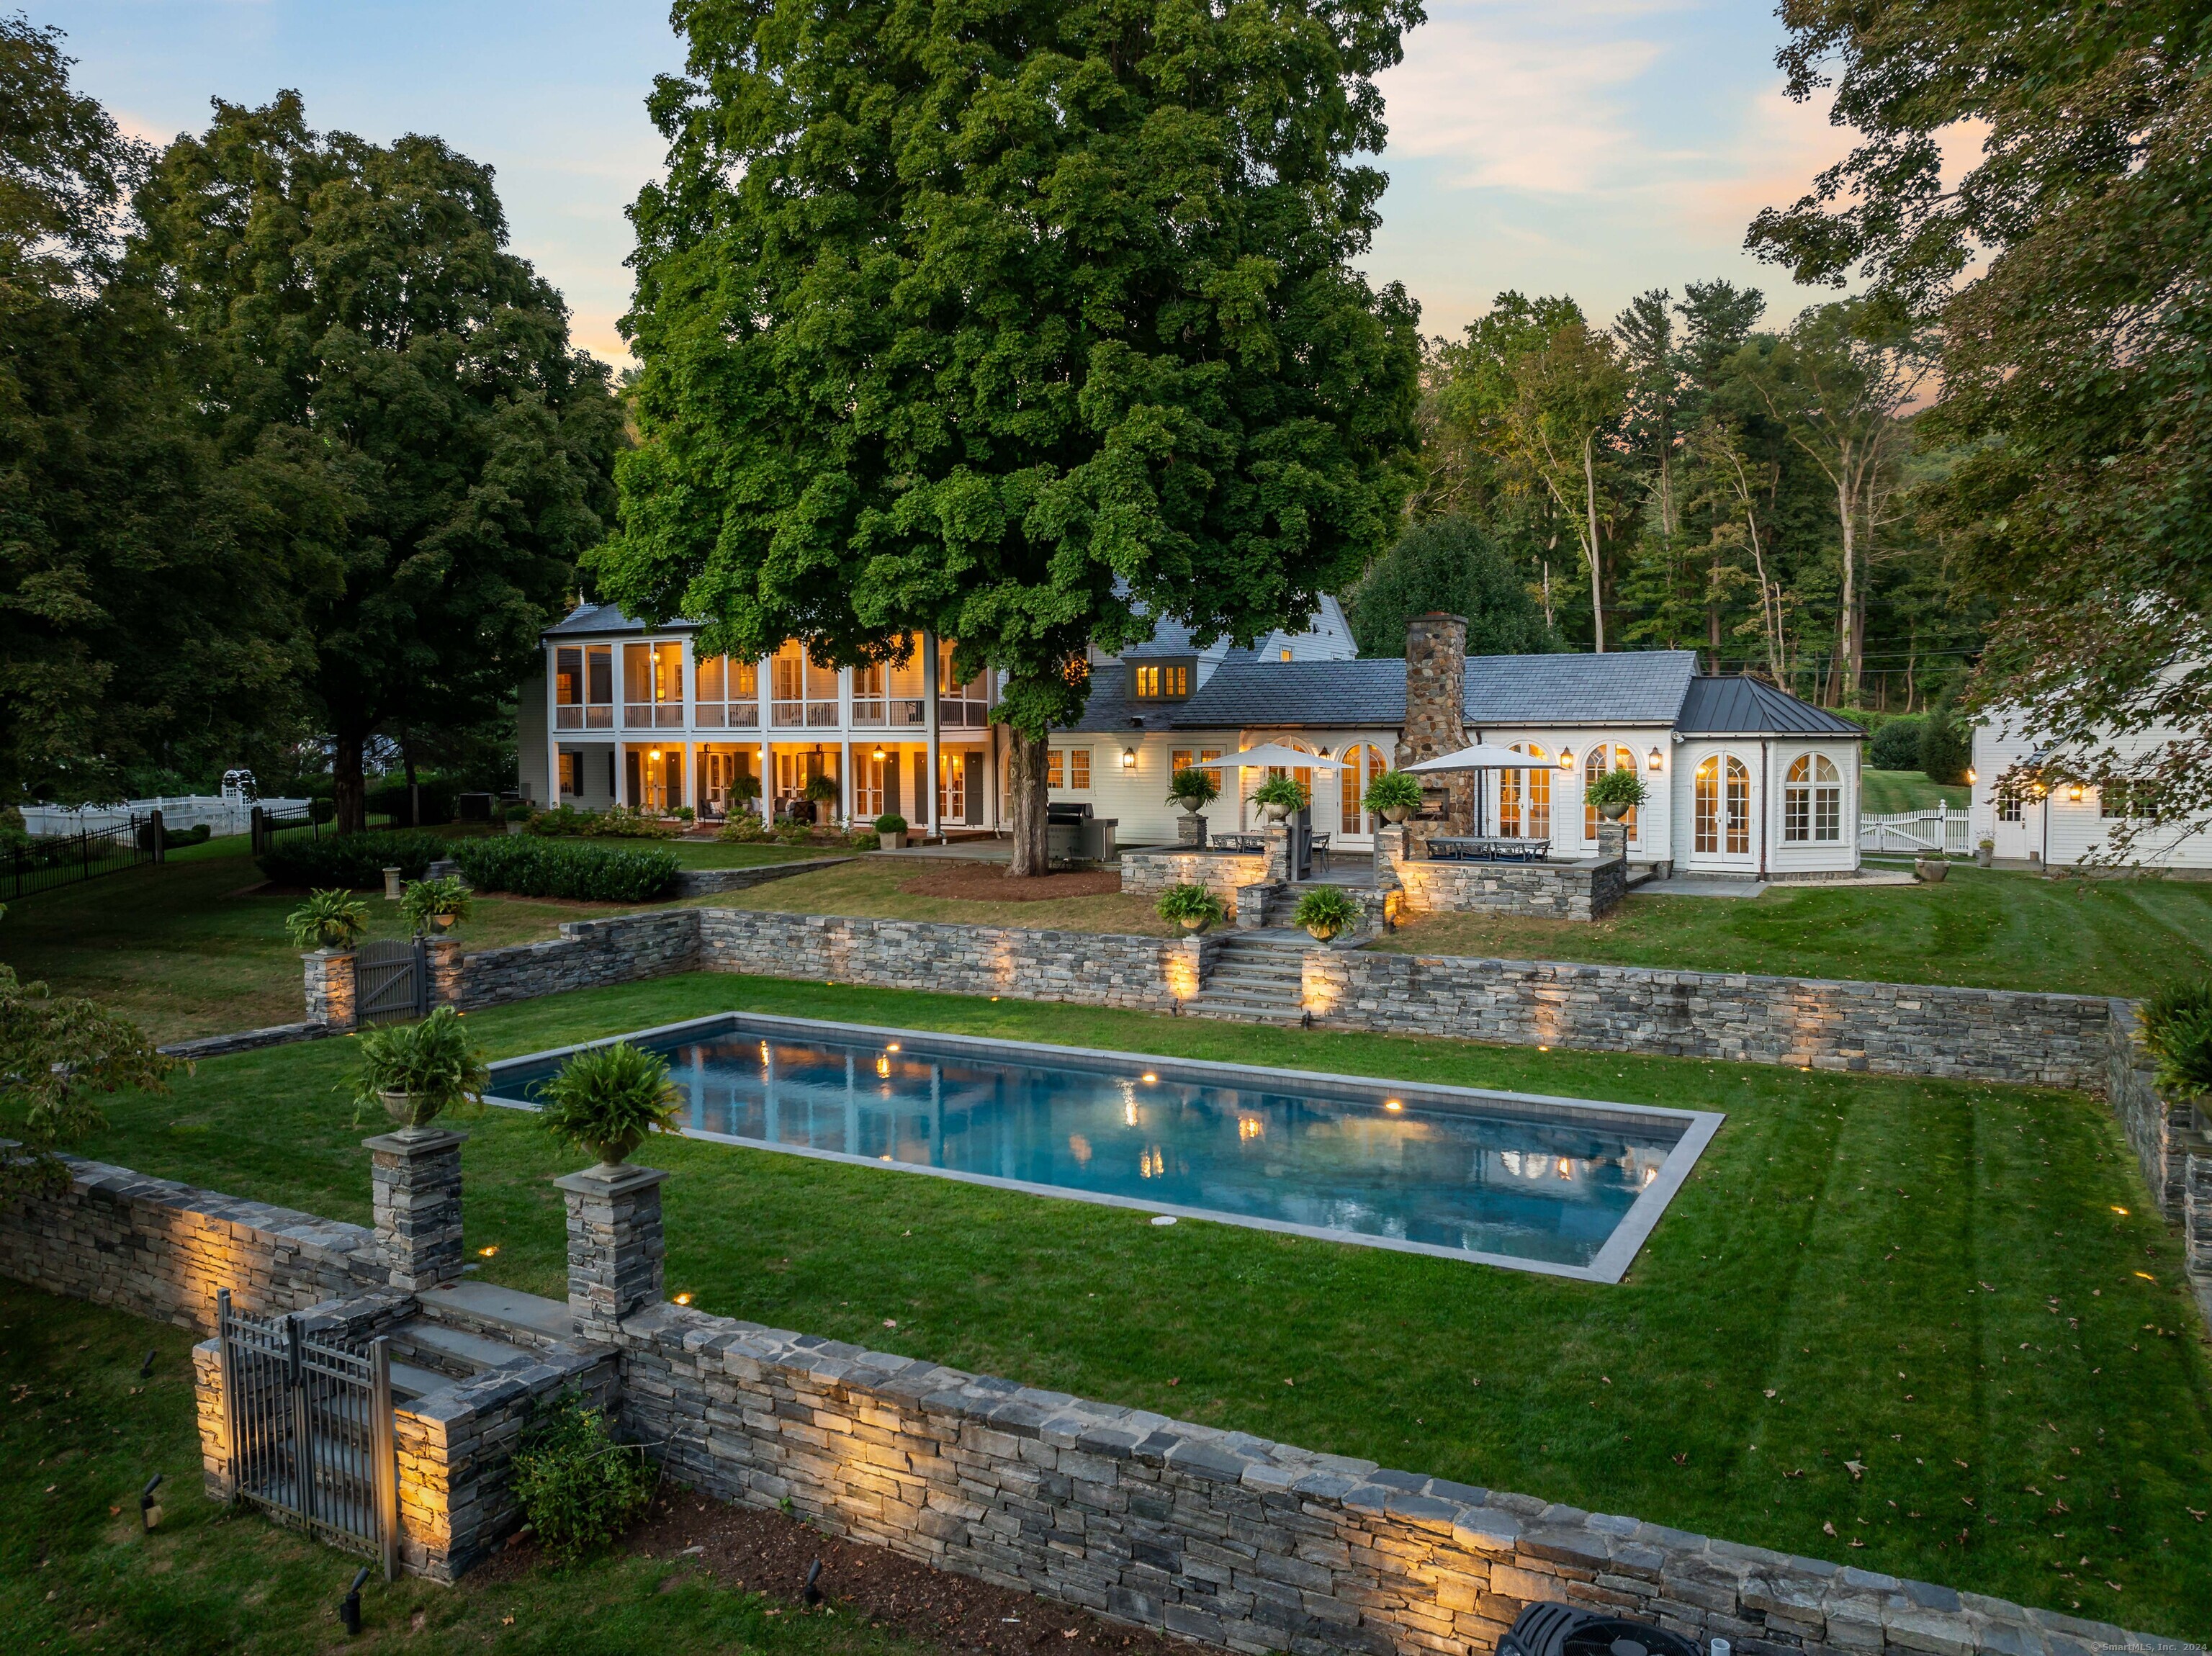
[(1024, 323), (145, 604), (1446, 564), (357, 322), (2078, 369)]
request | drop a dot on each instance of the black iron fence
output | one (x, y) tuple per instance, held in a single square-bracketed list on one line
[(63, 859)]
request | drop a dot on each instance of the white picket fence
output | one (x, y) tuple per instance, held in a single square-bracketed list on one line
[(1917, 832), (229, 813)]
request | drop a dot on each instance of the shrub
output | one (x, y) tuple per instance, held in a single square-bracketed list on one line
[(606, 1099), (861, 839), (321, 809), (1181, 904), (551, 868), (355, 861), (1946, 749), (684, 813), (743, 829), (577, 1488), (438, 794), (1619, 787), (433, 1061), (1896, 745), (426, 899), (518, 813), (197, 834), (891, 822), (1325, 911), (1393, 790), (562, 820), (328, 920), (2177, 1024), (1193, 789), (625, 822), (1284, 791), (792, 833)]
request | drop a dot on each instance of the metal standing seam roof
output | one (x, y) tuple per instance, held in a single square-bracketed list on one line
[(1732, 705)]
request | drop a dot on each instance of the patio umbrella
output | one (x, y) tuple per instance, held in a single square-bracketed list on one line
[(1480, 757), (1274, 754)]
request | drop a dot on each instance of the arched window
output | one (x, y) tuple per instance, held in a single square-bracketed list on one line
[(1812, 799), (1524, 797), (1600, 760), (1722, 789), (1362, 765)]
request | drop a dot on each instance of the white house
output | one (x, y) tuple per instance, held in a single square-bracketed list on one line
[(2064, 825), (1745, 779)]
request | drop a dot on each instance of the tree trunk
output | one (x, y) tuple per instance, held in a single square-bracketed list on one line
[(1026, 775), (348, 784), (414, 789), (1589, 506), (1849, 619)]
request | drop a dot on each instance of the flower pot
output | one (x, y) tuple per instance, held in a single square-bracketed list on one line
[(518, 828), (408, 1109), (891, 842), (444, 922), (1985, 856), (613, 1152), (1321, 933), (1930, 871), (1195, 923), (1395, 814), (1274, 811), (1614, 810)]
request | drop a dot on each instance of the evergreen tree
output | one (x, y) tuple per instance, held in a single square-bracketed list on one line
[(1446, 564)]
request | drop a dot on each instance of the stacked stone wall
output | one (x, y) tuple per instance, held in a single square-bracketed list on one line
[(1228, 1539), (2171, 1142), (1586, 890), (587, 954), (1229, 874)]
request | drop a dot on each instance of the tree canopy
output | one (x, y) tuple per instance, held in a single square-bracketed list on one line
[(1017, 324), (1446, 564)]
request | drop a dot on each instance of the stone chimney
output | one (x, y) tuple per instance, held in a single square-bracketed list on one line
[(1436, 707)]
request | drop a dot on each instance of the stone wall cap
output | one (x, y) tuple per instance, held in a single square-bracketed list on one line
[(415, 1141), (1424, 1510), (603, 1180), (1578, 1547), (1467, 1494), (1486, 1528)]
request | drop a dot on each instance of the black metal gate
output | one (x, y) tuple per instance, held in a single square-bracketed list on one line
[(311, 1431), (392, 980)]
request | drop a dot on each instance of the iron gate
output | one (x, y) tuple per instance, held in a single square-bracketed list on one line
[(311, 1431), (392, 980)]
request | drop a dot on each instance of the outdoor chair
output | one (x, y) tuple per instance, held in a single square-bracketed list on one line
[(1317, 851)]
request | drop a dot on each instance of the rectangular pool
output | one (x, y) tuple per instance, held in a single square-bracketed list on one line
[(1566, 1186)]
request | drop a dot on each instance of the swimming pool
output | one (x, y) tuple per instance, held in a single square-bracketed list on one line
[(1570, 1186)]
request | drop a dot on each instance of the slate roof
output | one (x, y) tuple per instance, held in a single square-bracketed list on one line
[(1624, 687), (1746, 706), (1246, 690)]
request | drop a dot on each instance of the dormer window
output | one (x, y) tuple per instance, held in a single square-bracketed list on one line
[(1159, 681)]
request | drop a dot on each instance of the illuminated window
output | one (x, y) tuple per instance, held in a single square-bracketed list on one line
[(1078, 768), (1524, 797), (1723, 806), (572, 772), (1600, 760), (1287, 654), (1361, 766), (1157, 681), (1813, 800), (1052, 768)]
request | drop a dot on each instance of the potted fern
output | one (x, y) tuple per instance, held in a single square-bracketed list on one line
[(415, 1072), (328, 920), (1193, 789), (822, 792), (2177, 1028), (1191, 906), (437, 905), (890, 832), (606, 1099), (1615, 793), (1325, 911), (1279, 795), (1393, 796)]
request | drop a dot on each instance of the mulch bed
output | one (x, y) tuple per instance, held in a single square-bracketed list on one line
[(766, 1552), (988, 883)]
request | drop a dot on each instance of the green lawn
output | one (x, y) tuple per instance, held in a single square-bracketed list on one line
[(1959, 1287), (81, 1435), (717, 853), (1887, 793), (1983, 927), (870, 885)]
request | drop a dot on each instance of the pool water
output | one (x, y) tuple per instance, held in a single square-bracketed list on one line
[(1500, 1176)]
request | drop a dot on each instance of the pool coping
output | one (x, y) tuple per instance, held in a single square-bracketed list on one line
[(1609, 1264)]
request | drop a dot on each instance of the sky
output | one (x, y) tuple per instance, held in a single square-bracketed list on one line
[(1596, 148)]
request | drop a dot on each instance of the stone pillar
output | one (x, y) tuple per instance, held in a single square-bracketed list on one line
[(615, 1245), (1276, 837), (416, 1178), (444, 956), (1612, 841), (330, 987), (1190, 830), (1436, 707), (1390, 853)]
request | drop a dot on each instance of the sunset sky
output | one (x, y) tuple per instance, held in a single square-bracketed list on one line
[(1592, 147)]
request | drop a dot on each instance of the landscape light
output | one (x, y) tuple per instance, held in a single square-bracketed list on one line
[(350, 1606), (488, 1251), (1392, 1104), (683, 1299), (149, 1510)]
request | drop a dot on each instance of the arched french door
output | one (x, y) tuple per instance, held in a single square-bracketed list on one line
[(1524, 796), (1363, 763), (1720, 810), (1600, 758)]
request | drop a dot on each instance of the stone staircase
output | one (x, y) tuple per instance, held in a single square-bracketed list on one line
[(1255, 974), (466, 1329)]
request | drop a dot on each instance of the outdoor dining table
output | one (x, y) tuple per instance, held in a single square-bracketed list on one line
[(1464, 848)]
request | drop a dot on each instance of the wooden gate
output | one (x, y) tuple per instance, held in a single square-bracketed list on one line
[(311, 1431), (392, 980)]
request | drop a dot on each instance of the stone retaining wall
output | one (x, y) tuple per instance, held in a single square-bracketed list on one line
[(1885, 1028), (1224, 873), (587, 954), (2171, 1142), (1585, 890), (715, 882), (1093, 968), (1228, 1539)]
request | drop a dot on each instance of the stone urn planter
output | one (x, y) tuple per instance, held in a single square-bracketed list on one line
[(1614, 810), (891, 842), (409, 1112), (1395, 814), (1985, 854), (1197, 923), (1274, 812), (1930, 871), (613, 1152)]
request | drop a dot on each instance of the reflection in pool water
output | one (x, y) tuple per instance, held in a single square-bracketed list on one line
[(1350, 1158)]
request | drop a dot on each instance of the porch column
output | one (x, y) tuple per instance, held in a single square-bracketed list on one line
[(552, 723), (615, 1247), (622, 773), (929, 727), (763, 674), (845, 774)]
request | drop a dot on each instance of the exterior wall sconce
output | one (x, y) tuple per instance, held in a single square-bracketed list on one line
[(1655, 762), (2073, 793), (1129, 759), (1970, 777), (1566, 759)]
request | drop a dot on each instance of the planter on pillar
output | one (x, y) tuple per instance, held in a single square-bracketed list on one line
[(615, 1245), (330, 987), (1613, 842), (416, 1178), (1190, 829), (1277, 838)]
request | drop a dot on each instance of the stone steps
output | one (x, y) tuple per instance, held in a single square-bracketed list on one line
[(1256, 974)]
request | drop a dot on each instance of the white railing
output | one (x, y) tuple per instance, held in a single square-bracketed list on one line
[(180, 814), (1918, 833)]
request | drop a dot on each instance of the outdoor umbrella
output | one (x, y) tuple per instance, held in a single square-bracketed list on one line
[(1274, 755), (1480, 757)]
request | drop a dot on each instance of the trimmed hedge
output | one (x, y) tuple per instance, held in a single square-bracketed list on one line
[(355, 861), (577, 869), (1896, 745)]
